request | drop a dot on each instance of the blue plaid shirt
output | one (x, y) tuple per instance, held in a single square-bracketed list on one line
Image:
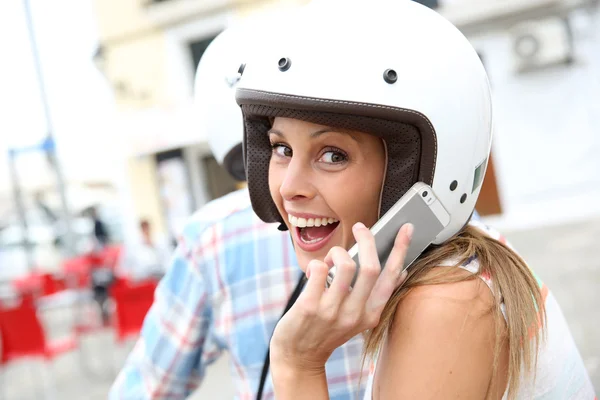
[(228, 283)]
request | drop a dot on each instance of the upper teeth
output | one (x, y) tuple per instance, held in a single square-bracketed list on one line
[(308, 222)]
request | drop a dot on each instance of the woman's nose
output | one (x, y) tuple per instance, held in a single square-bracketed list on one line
[(297, 182)]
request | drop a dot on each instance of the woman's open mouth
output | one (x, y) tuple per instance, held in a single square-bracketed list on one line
[(312, 234)]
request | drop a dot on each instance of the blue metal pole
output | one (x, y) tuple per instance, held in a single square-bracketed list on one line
[(51, 148), (18, 197)]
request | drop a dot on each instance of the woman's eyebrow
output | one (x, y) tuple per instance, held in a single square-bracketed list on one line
[(330, 129), (317, 133), (275, 132)]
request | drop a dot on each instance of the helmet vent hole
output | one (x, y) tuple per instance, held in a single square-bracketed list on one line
[(241, 69), (284, 64), (390, 76), (453, 186), (463, 198)]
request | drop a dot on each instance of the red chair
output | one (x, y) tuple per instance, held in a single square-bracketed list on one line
[(112, 255), (28, 285), (132, 302), (107, 257), (22, 335), (77, 272), (52, 284), (39, 284)]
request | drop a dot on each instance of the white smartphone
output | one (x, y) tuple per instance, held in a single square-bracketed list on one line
[(420, 207)]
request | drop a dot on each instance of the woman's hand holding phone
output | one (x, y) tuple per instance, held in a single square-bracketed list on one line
[(323, 318)]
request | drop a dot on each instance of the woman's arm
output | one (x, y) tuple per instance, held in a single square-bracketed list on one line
[(299, 383), (322, 319), (441, 346)]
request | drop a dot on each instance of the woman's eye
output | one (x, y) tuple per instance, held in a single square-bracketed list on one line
[(281, 150), (333, 157)]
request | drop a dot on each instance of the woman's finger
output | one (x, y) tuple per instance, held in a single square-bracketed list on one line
[(316, 272), (344, 274), (369, 267), (392, 275)]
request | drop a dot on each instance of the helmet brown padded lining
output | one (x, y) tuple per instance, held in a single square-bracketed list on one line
[(409, 137)]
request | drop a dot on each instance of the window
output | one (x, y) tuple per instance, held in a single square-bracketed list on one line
[(429, 3), (174, 189), (198, 48)]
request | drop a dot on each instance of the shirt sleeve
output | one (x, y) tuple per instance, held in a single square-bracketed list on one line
[(175, 344)]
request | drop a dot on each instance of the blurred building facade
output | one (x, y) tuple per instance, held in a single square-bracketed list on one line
[(148, 52), (536, 53), (543, 60)]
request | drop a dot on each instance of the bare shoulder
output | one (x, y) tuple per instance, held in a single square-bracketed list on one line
[(471, 295), (459, 309), (441, 343)]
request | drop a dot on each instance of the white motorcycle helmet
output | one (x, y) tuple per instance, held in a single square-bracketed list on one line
[(392, 68), (217, 75)]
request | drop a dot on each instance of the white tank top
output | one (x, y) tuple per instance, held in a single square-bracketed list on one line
[(560, 373)]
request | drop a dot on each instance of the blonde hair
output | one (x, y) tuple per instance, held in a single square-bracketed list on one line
[(513, 281)]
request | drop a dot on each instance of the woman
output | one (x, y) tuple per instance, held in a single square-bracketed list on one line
[(343, 114)]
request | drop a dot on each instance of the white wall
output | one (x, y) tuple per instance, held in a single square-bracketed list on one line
[(180, 70), (547, 137)]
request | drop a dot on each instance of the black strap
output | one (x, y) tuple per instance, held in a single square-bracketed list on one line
[(282, 227), (267, 362)]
